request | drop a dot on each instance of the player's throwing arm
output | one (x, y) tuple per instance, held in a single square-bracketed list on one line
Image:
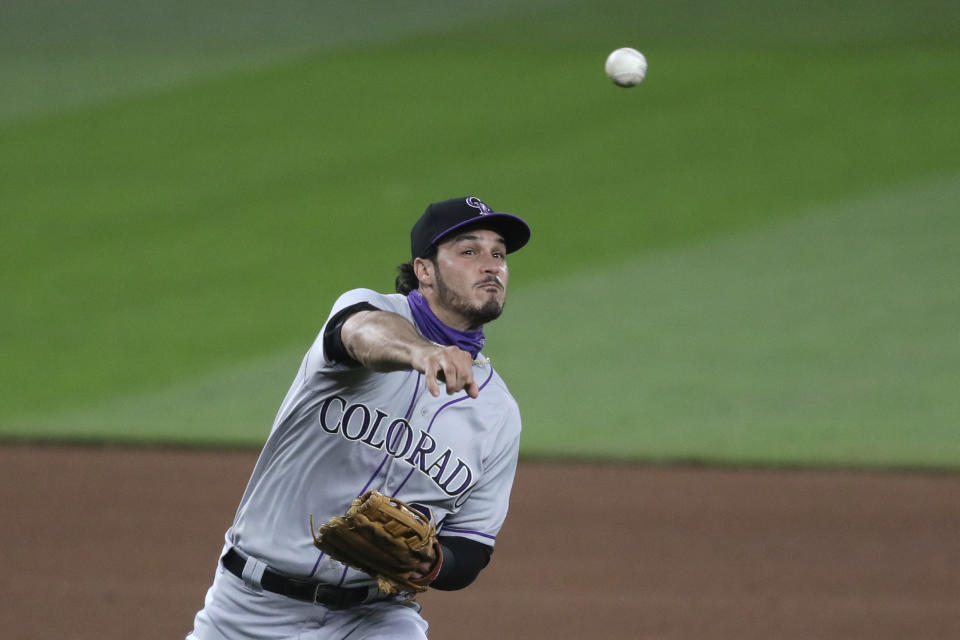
[(383, 341)]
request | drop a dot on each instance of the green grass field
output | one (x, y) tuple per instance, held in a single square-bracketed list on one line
[(750, 258)]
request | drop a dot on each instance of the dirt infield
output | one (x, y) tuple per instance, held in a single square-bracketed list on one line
[(121, 543)]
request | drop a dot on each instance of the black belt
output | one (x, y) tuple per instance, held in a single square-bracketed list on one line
[(299, 588)]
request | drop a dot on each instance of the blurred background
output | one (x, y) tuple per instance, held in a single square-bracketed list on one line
[(750, 258)]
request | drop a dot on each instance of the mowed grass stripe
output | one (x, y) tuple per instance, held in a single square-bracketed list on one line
[(829, 339), (57, 56)]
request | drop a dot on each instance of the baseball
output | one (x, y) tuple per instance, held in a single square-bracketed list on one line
[(626, 67)]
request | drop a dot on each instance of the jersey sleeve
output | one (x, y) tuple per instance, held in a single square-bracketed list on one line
[(394, 303), (485, 509)]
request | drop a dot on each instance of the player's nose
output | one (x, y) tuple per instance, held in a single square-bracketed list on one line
[(491, 273)]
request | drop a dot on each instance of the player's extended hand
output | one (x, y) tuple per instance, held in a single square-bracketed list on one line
[(452, 366)]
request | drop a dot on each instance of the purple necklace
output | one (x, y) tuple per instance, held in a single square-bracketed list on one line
[(432, 327)]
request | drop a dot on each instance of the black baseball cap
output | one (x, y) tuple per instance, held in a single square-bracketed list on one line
[(443, 218)]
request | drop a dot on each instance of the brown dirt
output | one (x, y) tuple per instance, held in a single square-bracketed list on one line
[(121, 543)]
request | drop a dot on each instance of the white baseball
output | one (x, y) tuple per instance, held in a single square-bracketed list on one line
[(626, 66)]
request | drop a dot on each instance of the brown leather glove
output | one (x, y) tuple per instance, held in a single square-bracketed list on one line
[(386, 538)]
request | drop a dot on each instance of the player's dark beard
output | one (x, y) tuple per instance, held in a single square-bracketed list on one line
[(477, 316)]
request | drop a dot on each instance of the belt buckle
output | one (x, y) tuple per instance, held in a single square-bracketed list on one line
[(331, 598)]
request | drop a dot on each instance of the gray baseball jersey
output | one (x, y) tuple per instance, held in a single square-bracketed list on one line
[(342, 430)]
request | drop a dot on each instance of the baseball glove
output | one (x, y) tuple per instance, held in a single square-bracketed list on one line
[(385, 538)]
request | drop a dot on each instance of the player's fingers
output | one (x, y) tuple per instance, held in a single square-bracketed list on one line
[(432, 375), (452, 378), (468, 383), (453, 367), (464, 380), (472, 389)]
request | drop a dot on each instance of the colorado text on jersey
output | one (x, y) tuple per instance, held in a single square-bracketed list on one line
[(354, 423)]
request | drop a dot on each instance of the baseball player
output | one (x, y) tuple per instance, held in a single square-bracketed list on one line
[(394, 395)]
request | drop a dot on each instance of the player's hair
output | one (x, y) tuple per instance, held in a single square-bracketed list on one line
[(407, 278)]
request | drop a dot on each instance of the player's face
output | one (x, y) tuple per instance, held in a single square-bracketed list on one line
[(470, 279)]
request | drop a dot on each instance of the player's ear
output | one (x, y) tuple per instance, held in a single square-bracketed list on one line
[(424, 269)]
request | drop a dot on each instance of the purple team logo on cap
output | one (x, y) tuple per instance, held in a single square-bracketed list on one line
[(477, 203)]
